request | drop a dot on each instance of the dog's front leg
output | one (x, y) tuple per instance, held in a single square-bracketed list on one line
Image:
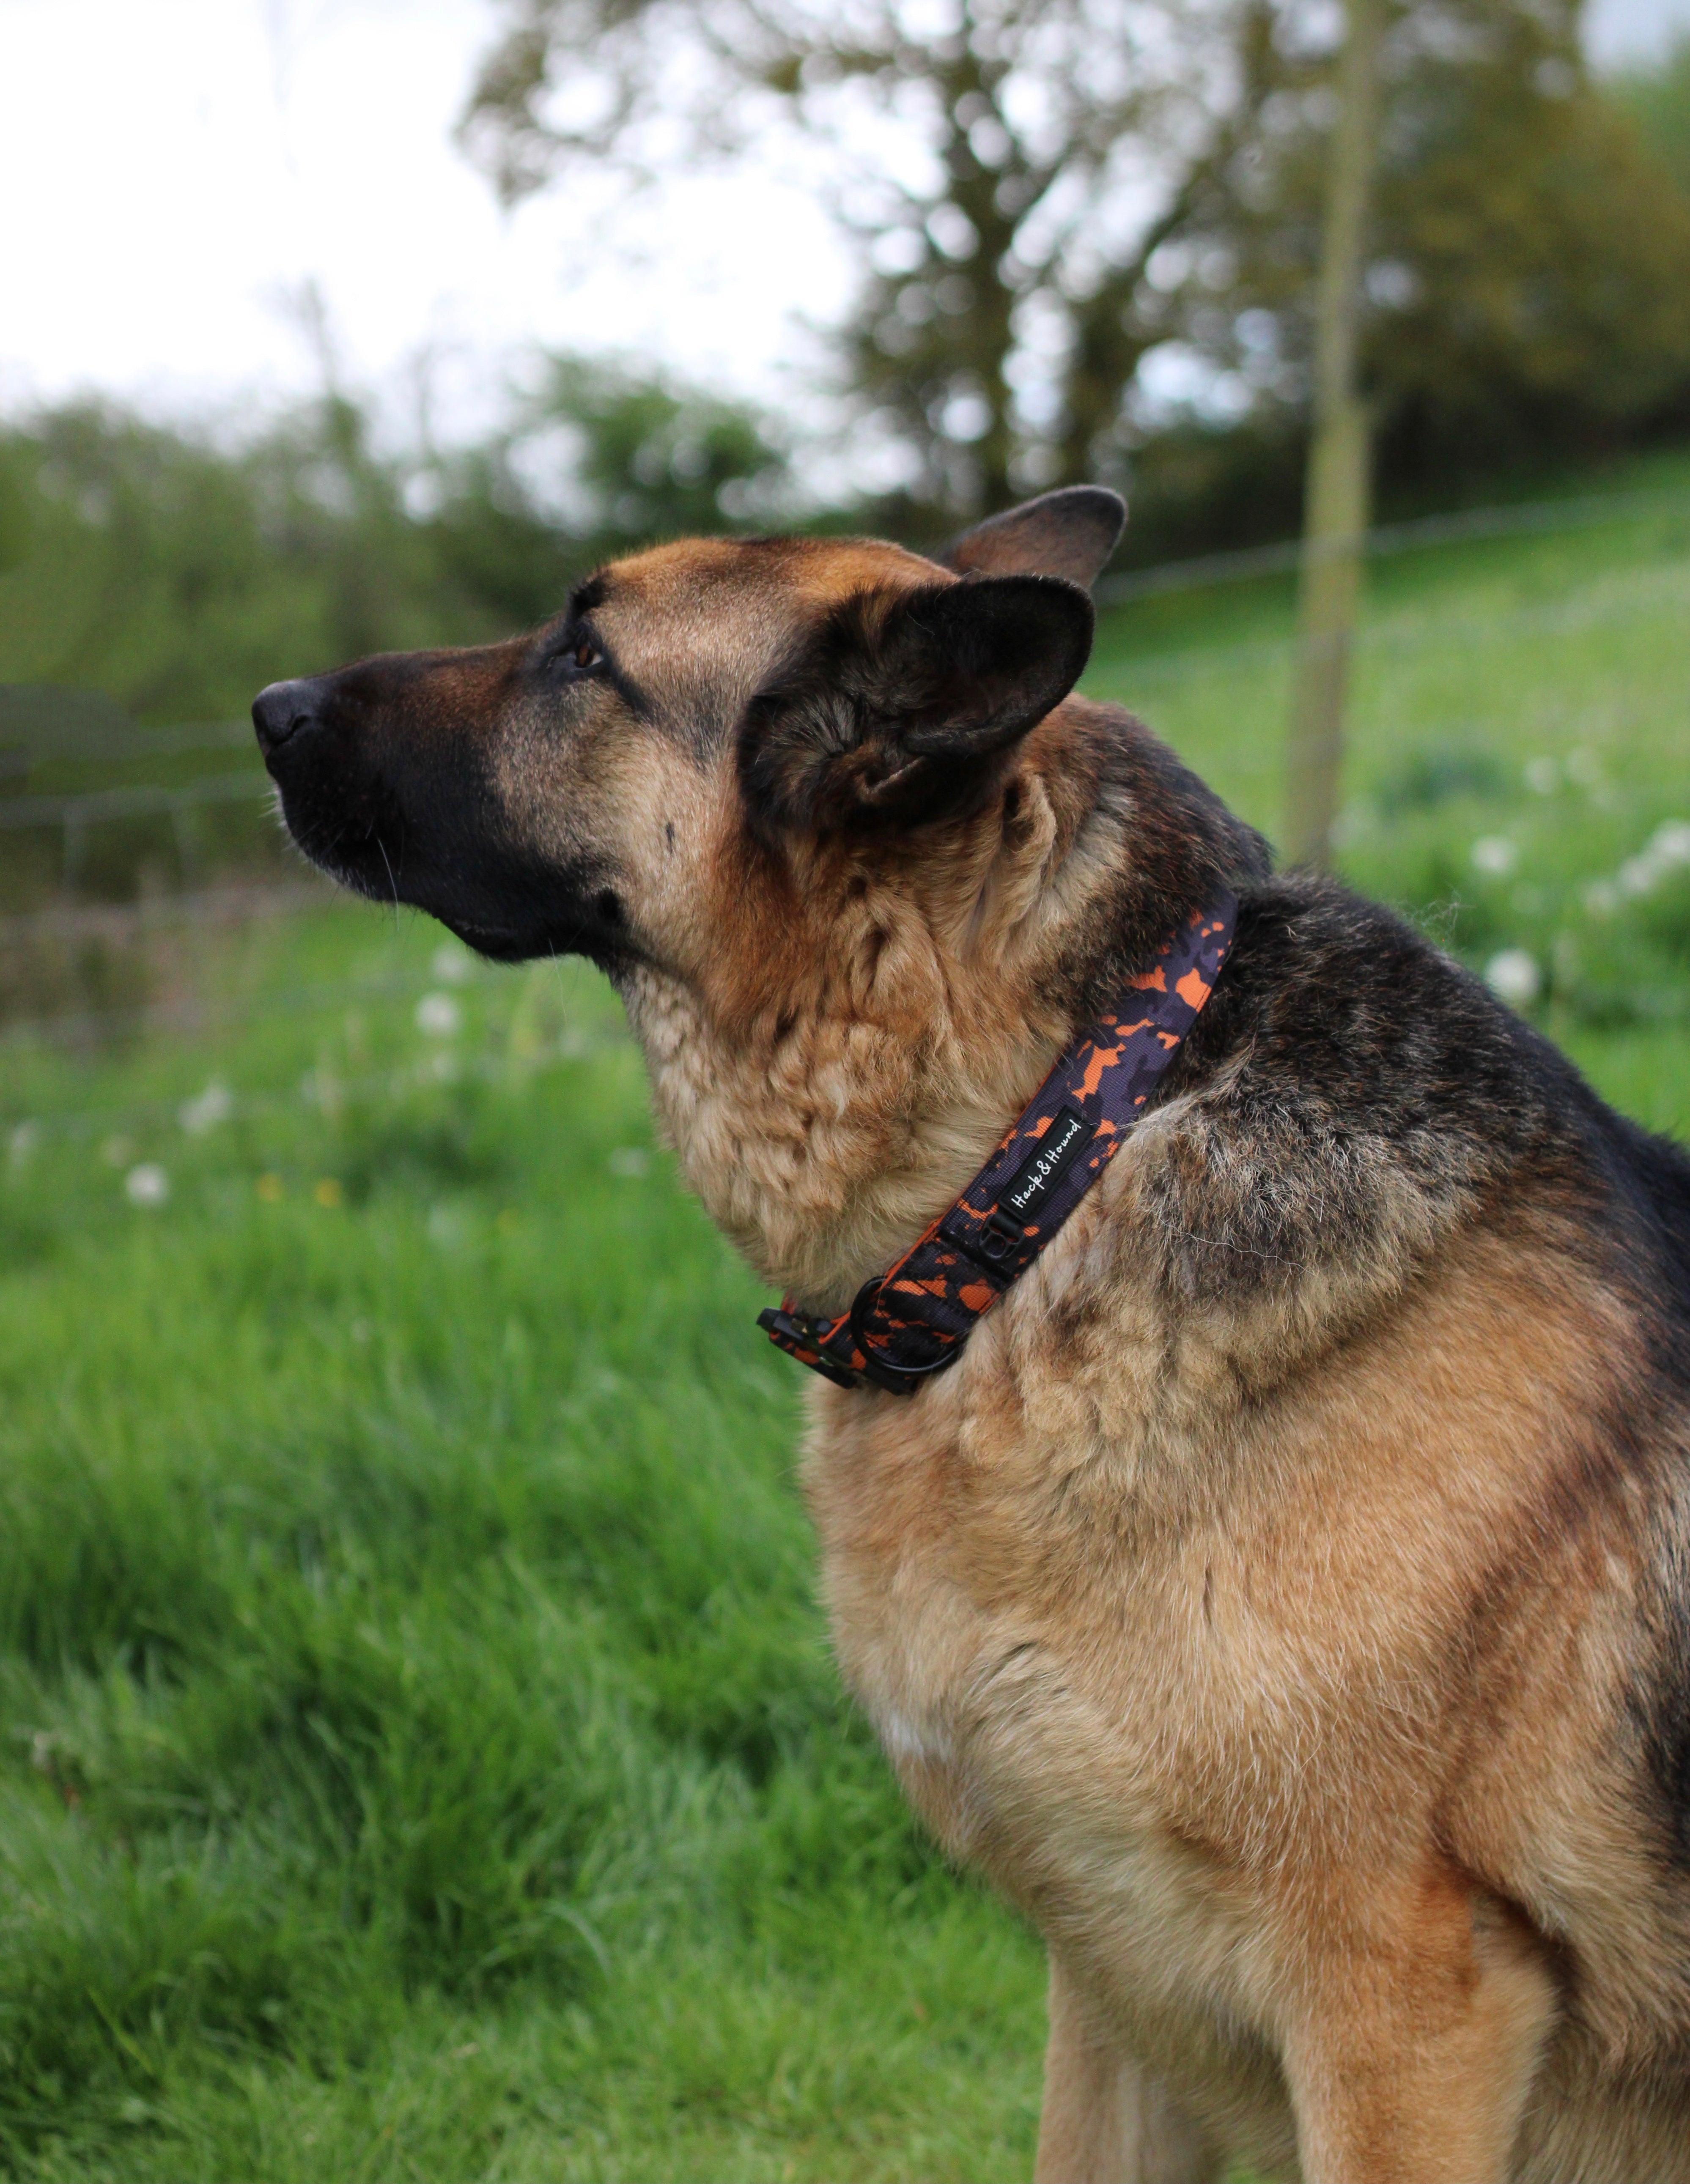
[(1105, 2119), (1414, 2062)]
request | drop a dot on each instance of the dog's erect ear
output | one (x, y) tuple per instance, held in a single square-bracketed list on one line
[(895, 706), (1071, 533)]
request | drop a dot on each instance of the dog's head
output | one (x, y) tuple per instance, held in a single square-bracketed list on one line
[(817, 806), (535, 795)]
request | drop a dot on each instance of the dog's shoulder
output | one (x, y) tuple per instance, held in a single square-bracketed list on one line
[(1351, 1096)]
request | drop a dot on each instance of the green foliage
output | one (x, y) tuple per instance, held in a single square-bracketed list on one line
[(1658, 98), (1527, 288), (14, 510), (654, 460), (1523, 299), (178, 576), (1197, 487)]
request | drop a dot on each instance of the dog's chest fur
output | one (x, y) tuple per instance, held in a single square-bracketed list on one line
[(1214, 1603), (1153, 1600), (1033, 1655)]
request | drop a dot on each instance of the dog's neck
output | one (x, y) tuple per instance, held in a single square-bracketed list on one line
[(824, 1134), (827, 1123), (818, 1182)]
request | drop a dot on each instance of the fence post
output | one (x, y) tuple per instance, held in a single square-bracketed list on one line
[(1336, 493), (75, 842), (184, 832)]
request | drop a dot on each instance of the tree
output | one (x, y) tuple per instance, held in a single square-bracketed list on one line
[(1528, 272), (600, 459), (1658, 98), (990, 331), (1094, 180)]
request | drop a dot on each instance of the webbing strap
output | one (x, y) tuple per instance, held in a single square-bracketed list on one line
[(912, 1321)]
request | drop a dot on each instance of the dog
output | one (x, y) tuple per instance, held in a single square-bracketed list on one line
[(1279, 1587)]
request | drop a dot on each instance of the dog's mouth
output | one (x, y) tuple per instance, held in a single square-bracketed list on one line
[(572, 936), (353, 848), (434, 839), (496, 945)]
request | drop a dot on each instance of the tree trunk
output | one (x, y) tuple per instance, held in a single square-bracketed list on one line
[(1335, 511)]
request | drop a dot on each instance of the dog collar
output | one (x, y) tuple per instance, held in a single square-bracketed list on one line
[(912, 1321)]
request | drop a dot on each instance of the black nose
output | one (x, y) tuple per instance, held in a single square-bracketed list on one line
[(281, 711)]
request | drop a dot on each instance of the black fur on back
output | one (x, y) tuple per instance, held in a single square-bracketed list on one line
[(1352, 1076)]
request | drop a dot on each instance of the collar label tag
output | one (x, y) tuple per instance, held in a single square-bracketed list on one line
[(1026, 1193)]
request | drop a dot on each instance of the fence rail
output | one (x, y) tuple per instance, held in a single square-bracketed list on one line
[(74, 812), (30, 745), (131, 920), (1533, 518), (142, 801)]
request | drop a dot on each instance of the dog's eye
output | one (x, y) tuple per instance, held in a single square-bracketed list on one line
[(579, 656)]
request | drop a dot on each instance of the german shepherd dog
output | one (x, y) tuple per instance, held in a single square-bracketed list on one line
[(1285, 1595)]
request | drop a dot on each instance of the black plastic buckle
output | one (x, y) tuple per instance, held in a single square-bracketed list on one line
[(797, 1336), (895, 1379)]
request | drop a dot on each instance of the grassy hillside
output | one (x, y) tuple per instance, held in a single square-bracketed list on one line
[(422, 1757), (1518, 769)]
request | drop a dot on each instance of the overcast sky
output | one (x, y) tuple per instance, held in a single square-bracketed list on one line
[(174, 172), (1617, 30)]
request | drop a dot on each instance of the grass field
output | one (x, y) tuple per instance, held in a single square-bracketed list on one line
[(420, 1756)]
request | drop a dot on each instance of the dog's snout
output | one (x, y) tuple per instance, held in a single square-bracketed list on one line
[(281, 711)]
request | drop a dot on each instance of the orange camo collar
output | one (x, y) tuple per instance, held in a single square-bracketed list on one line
[(912, 1321)]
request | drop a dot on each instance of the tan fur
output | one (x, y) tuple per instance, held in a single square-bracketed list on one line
[(1093, 1599), (1267, 1646), (1203, 1713)]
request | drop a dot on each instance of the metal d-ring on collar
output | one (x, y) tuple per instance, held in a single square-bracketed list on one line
[(912, 1321), (885, 1371)]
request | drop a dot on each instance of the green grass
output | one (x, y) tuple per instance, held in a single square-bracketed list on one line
[(1531, 694), (419, 1753)]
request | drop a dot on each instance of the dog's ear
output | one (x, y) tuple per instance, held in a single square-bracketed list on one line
[(1071, 533), (897, 706)]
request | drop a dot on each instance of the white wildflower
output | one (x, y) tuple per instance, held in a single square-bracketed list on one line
[(448, 1229), (1514, 977), (1542, 776), (1495, 854), (146, 1184), (215, 1105), (439, 1015)]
